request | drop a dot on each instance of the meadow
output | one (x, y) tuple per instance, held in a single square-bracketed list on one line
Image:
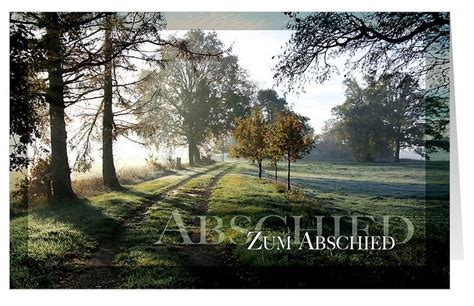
[(110, 240)]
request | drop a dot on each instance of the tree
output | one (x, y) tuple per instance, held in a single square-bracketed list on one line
[(404, 112), (270, 103), (330, 143), (292, 136), (60, 171), (26, 99), (385, 116), (437, 126), (195, 97), (108, 168), (68, 45), (273, 151), (127, 38), (361, 125), (376, 43), (71, 45), (250, 135)]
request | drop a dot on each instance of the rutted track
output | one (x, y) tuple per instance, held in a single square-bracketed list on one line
[(99, 270), (198, 254)]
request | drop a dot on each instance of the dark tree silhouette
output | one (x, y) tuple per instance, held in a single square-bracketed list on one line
[(26, 98), (270, 103), (417, 44), (388, 42), (109, 174)]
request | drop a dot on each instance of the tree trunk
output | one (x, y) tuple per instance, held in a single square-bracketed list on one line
[(60, 171), (276, 172), (197, 155), (109, 174), (223, 149), (191, 153), (397, 150), (289, 170), (259, 169)]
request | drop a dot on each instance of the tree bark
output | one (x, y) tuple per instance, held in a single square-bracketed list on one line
[(259, 169), (197, 155), (60, 171), (223, 149), (191, 153), (109, 174), (397, 151)]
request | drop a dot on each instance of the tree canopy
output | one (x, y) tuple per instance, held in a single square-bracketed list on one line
[(382, 117), (270, 103), (377, 42), (292, 137), (196, 98), (250, 135)]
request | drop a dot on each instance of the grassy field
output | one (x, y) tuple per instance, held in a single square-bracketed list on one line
[(75, 245)]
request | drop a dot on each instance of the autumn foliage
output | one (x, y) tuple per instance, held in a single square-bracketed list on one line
[(288, 137)]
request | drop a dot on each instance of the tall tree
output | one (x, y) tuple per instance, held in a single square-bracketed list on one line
[(375, 43), (362, 126), (251, 142), (68, 41), (26, 93), (386, 115), (270, 103), (293, 136), (128, 38), (72, 46), (108, 167), (403, 101), (60, 171), (197, 96)]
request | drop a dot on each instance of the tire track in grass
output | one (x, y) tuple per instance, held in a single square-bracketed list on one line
[(99, 270), (201, 255), (213, 265)]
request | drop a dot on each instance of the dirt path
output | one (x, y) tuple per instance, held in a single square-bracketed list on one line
[(205, 255), (99, 270), (213, 265)]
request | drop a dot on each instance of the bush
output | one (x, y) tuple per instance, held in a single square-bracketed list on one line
[(153, 163), (34, 188), (89, 186)]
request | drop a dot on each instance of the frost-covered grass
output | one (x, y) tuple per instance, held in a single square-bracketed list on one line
[(52, 241)]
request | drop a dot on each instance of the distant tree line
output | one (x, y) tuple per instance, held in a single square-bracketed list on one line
[(396, 52), (381, 118)]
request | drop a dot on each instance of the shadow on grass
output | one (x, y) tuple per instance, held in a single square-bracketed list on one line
[(84, 216), (130, 191)]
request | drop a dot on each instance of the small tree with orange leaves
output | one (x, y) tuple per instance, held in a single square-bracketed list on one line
[(250, 135), (292, 137)]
